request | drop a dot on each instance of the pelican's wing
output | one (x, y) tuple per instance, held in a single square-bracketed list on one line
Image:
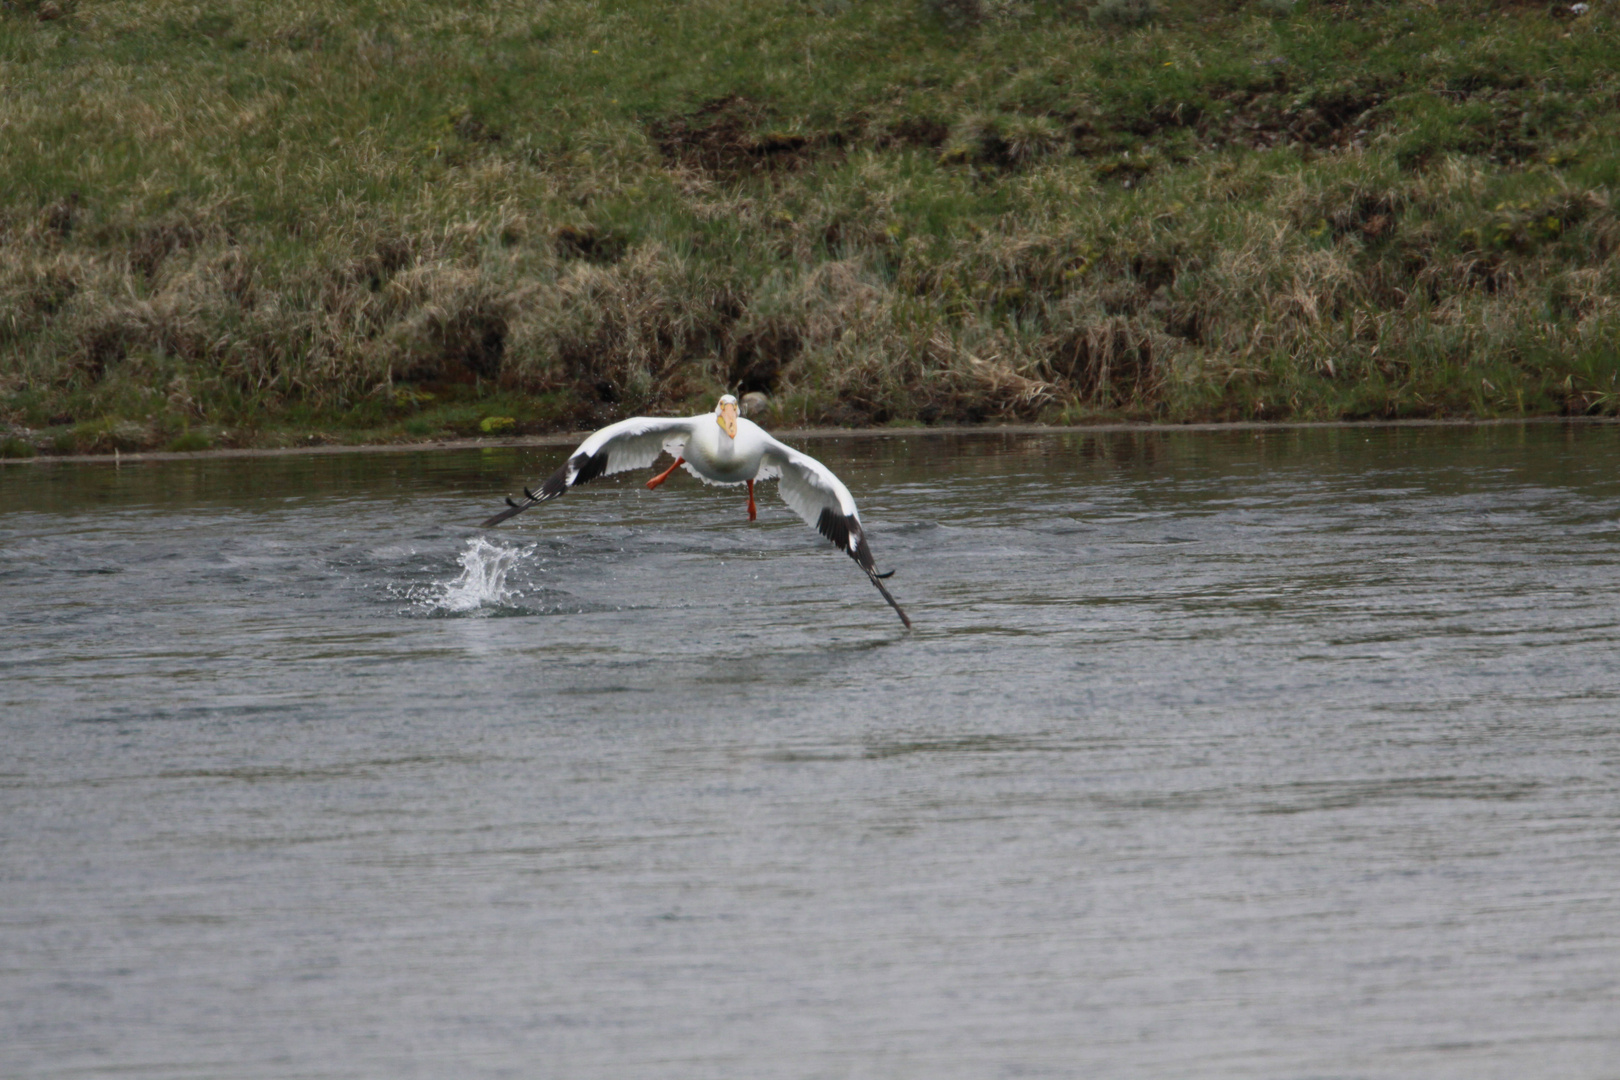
[(822, 500), (630, 444)]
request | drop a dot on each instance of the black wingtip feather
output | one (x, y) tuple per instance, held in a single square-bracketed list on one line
[(845, 533), (898, 610), (586, 469), (513, 509), (554, 486)]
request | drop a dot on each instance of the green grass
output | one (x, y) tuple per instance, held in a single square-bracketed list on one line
[(406, 220)]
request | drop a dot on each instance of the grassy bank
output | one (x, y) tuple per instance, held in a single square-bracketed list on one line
[(404, 219)]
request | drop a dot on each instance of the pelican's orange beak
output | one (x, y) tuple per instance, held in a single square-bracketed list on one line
[(726, 417)]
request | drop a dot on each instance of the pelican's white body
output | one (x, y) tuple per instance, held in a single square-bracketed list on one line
[(718, 459), (713, 456)]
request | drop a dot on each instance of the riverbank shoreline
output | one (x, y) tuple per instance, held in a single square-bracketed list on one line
[(242, 229), (809, 434)]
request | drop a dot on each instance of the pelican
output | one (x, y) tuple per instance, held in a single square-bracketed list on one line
[(718, 448)]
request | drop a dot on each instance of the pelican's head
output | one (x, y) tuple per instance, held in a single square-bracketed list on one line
[(725, 414)]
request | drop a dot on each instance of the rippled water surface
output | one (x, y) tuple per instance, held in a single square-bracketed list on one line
[(1292, 754)]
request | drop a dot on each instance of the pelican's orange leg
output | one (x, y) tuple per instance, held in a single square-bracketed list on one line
[(752, 512), (661, 477)]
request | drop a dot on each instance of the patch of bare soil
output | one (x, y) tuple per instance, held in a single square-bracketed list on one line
[(723, 138)]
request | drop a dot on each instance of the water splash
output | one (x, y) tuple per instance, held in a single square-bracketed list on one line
[(482, 585)]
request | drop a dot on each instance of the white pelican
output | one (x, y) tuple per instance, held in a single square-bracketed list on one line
[(718, 448)]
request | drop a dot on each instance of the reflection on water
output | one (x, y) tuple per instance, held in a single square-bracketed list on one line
[(1239, 754)]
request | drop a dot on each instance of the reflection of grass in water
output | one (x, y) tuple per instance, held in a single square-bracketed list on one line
[(1308, 796), (270, 220), (961, 744), (957, 744)]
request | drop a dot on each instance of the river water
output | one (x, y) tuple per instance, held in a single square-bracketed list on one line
[(1246, 754)]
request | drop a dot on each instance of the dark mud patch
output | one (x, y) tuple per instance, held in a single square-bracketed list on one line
[(728, 138), (589, 243), (755, 358), (463, 345), (1113, 361), (60, 217), (390, 255), (1330, 118), (156, 243), (927, 132)]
